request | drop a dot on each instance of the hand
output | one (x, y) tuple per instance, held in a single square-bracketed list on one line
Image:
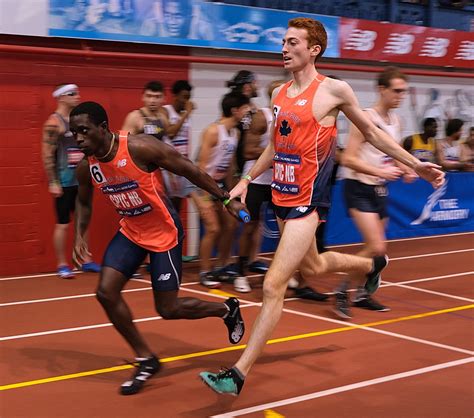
[(189, 107), (55, 189), (409, 176), (80, 253), (430, 172), (391, 173), (240, 190), (234, 207)]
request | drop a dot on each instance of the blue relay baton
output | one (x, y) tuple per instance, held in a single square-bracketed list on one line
[(244, 216)]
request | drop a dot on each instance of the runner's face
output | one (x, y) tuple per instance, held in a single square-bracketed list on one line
[(240, 112), (432, 130), (71, 99), (89, 137), (182, 98), (153, 100), (296, 53), (393, 95)]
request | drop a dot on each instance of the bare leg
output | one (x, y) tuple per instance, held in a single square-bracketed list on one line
[(212, 228), (372, 229), (228, 225), (109, 295), (169, 306), (287, 259), (59, 241)]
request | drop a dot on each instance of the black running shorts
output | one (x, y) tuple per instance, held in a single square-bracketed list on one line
[(65, 205), (365, 197), (257, 195), (126, 257)]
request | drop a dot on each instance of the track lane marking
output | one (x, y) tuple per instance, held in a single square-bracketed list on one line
[(345, 388), (242, 346)]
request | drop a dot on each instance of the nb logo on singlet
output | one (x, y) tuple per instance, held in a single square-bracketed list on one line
[(122, 163), (301, 102), (163, 277)]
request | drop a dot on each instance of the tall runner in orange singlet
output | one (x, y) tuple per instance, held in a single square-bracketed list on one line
[(302, 149), (125, 168)]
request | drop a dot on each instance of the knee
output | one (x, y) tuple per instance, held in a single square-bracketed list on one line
[(168, 312), (377, 248), (273, 289), (105, 297)]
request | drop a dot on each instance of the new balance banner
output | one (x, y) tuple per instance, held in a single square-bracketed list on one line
[(370, 40), (414, 209)]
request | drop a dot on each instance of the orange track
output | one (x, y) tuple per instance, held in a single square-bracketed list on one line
[(434, 348)]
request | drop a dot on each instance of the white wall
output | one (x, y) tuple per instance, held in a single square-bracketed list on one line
[(24, 17)]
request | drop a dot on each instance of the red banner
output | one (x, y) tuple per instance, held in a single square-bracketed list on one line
[(377, 41)]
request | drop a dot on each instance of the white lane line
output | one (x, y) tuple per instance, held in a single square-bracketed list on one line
[(85, 295), (30, 276), (345, 388), (406, 239), (104, 325), (407, 257), (432, 292), (431, 254), (381, 331), (428, 279)]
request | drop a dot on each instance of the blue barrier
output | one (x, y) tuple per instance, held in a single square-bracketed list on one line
[(414, 209)]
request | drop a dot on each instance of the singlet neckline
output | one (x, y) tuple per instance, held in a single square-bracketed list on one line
[(391, 119), (315, 79)]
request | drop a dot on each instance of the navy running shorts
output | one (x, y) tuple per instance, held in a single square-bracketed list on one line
[(65, 205), (126, 257), (299, 212), (257, 195), (366, 197)]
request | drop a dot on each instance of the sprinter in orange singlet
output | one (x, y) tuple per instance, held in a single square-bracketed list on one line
[(126, 169), (305, 111)]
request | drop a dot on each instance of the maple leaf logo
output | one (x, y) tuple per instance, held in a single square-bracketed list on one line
[(285, 129)]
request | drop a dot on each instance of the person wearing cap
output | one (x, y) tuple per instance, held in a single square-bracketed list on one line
[(61, 156)]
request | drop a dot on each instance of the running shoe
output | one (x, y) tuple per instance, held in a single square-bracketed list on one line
[(64, 272), (258, 267), (227, 381), (233, 321), (309, 293), (371, 304), (146, 368), (90, 267), (242, 285), (341, 308), (374, 277), (209, 279)]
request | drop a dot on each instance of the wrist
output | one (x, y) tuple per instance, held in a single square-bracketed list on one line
[(247, 177)]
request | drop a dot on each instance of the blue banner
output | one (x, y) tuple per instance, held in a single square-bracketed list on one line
[(414, 210), (180, 22)]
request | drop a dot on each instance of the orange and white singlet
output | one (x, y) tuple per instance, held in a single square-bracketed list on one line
[(304, 150), (138, 197)]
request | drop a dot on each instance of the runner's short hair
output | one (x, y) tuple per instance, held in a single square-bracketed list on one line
[(95, 111)]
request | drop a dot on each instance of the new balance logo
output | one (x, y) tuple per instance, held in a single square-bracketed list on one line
[(434, 47), (164, 276), (399, 43), (122, 163), (465, 51), (361, 40), (301, 102), (302, 209)]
